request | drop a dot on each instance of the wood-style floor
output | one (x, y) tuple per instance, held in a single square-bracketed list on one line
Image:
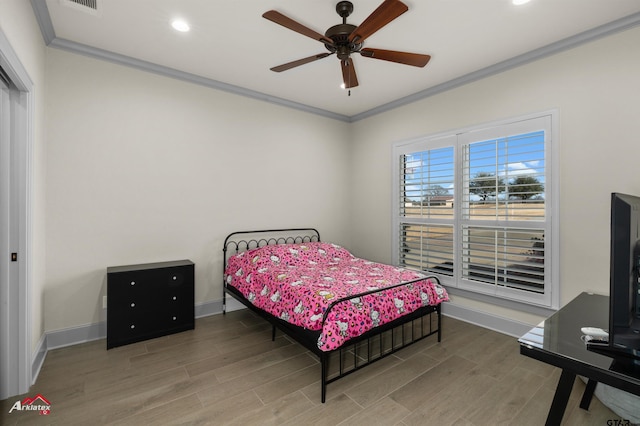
[(228, 371)]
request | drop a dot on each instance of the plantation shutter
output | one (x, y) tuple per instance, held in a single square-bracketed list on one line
[(425, 209), (473, 207), (503, 211)]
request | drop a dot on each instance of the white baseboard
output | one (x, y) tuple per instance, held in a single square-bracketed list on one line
[(484, 319), (212, 308), (89, 332), (86, 333), (38, 357), (76, 335)]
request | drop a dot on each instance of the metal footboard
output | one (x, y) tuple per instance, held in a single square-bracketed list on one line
[(358, 352)]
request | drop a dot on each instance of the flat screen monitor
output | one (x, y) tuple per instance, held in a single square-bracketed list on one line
[(624, 291)]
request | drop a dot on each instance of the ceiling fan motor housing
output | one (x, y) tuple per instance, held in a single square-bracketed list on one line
[(340, 33), (344, 9), (340, 36)]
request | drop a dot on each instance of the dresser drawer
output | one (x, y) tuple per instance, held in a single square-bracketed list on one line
[(128, 328), (149, 300), (149, 303), (142, 291)]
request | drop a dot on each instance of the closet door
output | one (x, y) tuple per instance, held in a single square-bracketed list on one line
[(6, 314), (17, 129)]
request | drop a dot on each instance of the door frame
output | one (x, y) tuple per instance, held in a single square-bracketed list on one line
[(18, 349)]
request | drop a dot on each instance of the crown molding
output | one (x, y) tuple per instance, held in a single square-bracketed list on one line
[(41, 12), (533, 55), (119, 59)]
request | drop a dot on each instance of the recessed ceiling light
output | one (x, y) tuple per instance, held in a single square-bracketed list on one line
[(180, 25), (519, 2)]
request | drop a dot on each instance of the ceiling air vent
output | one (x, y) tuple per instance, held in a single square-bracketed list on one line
[(89, 6)]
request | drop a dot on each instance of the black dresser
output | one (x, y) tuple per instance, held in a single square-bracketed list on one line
[(149, 300)]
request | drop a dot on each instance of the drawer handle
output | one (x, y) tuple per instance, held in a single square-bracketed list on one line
[(175, 318), (133, 283), (133, 305), (175, 277), (133, 326), (175, 298)]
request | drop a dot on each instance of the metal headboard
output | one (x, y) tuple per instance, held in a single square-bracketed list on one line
[(240, 241)]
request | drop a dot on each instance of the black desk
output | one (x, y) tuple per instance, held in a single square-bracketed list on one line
[(557, 341)]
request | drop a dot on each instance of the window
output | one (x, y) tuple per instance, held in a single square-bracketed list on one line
[(474, 207)]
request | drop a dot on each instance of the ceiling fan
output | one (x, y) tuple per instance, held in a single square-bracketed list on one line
[(345, 39)]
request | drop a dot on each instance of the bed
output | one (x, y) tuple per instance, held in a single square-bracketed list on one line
[(348, 311)]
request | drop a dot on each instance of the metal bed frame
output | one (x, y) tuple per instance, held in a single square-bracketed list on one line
[(357, 352)]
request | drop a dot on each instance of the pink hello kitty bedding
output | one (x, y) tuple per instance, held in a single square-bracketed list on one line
[(298, 282)]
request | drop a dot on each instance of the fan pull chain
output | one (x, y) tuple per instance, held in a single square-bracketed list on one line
[(349, 64), (346, 62)]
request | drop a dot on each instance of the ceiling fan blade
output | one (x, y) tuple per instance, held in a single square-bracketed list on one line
[(414, 59), (287, 22), (299, 62), (348, 73), (385, 13)]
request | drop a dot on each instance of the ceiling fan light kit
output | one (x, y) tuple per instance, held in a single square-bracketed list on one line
[(345, 39)]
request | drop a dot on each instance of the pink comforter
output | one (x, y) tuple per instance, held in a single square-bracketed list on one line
[(298, 282)]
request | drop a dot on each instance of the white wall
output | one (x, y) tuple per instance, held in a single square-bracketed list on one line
[(139, 167), (596, 89), (19, 25), (144, 168)]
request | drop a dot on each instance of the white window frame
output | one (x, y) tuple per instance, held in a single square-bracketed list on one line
[(550, 298)]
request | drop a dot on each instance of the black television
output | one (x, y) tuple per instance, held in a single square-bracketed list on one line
[(624, 291)]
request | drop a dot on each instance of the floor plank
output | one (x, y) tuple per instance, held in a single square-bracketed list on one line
[(228, 371)]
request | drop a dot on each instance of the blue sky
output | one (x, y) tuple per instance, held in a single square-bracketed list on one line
[(505, 157)]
